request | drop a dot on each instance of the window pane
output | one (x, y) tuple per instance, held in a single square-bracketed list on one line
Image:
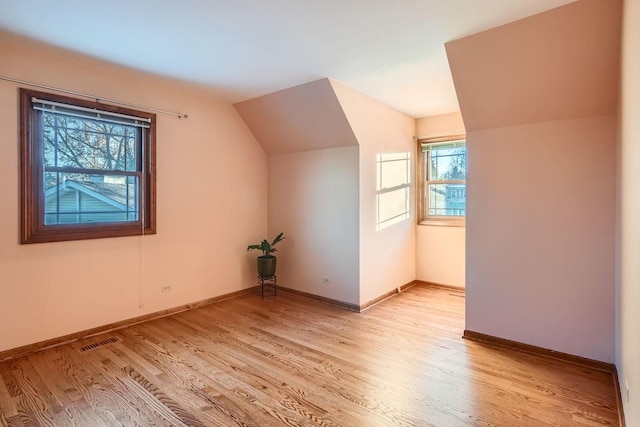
[(82, 174), (448, 163), (89, 144), (80, 198), (447, 199)]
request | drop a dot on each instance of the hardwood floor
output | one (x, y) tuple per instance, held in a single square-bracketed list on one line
[(289, 360)]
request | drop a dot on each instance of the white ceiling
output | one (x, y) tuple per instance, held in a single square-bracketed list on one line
[(391, 50)]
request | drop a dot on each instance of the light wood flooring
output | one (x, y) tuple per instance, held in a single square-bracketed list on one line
[(293, 361)]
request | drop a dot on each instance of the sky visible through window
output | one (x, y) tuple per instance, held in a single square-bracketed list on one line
[(80, 157), (446, 163)]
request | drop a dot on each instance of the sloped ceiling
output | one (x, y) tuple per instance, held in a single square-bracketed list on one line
[(302, 118), (559, 64), (392, 51)]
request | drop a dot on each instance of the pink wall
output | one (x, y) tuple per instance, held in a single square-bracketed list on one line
[(313, 199), (556, 65), (211, 189), (540, 235), (323, 195), (387, 256), (440, 250), (301, 118), (313, 187), (539, 99), (440, 125), (628, 254)]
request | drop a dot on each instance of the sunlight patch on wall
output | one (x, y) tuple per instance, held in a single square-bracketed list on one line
[(393, 190)]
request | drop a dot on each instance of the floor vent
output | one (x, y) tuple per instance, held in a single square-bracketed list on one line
[(98, 344)]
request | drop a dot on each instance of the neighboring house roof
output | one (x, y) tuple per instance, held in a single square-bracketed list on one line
[(111, 193)]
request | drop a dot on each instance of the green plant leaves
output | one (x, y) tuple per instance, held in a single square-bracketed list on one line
[(266, 247)]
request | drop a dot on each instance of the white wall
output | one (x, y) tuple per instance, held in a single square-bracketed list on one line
[(628, 277), (387, 257), (313, 199), (211, 176), (440, 250), (540, 235)]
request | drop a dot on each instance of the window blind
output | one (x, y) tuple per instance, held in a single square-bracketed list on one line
[(89, 113), (429, 146)]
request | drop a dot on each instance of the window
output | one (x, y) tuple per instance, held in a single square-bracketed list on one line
[(393, 188), (443, 194), (87, 169)]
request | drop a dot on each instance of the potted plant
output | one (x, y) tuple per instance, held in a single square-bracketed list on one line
[(267, 262)]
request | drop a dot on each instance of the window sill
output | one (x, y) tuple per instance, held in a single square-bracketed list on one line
[(448, 222)]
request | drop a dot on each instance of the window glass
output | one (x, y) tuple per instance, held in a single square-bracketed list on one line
[(444, 173), (87, 169), (80, 198), (448, 163), (89, 144), (447, 199)]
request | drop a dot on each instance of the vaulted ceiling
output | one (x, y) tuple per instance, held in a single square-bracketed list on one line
[(392, 51)]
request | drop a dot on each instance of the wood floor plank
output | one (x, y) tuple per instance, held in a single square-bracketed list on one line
[(317, 367), (293, 361), (35, 401), (8, 407)]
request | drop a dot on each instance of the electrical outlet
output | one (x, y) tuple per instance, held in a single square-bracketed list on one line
[(626, 390), (325, 281), (166, 288)]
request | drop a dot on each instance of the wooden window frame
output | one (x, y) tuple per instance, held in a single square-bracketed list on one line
[(421, 201), (32, 224)]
